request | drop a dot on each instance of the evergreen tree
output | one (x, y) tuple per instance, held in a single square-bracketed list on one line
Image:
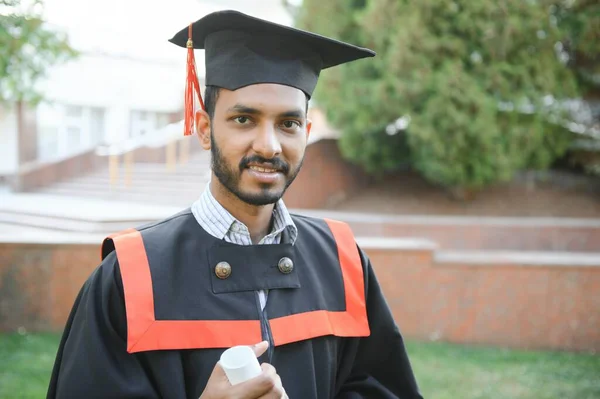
[(475, 78)]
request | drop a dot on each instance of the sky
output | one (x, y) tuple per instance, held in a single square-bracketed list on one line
[(141, 28), (124, 46)]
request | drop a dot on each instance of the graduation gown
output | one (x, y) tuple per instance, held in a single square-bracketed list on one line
[(153, 319)]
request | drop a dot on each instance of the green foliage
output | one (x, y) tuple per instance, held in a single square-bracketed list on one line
[(27, 48), (580, 20), (468, 73)]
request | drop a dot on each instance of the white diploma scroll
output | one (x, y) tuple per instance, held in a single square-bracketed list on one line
[(240, 364)]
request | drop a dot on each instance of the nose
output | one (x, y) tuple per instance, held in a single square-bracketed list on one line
[(266, 142)]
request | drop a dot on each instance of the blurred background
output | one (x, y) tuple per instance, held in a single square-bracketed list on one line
[(465, 156)]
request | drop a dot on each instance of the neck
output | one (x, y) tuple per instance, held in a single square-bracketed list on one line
[(256, 218)]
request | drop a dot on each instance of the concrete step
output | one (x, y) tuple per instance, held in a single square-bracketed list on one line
[(88, 215), (159, 169), (175, 197), (143, 170), (143, 180), (107, 212)]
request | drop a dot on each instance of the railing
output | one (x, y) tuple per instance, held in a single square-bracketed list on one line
[(169, 137)]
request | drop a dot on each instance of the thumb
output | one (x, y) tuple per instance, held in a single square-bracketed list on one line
[(260, 348), (218, 373)]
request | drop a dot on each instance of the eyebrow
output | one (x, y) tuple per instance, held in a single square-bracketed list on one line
[(293, 114), (244, 109)]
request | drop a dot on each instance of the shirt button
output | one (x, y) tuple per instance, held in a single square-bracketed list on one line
[(223, 270)]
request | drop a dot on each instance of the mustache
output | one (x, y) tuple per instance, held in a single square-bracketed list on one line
[(275, 163)]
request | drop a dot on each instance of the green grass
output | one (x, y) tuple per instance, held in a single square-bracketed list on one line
[(25, 364), (447, 371), (444, 371)]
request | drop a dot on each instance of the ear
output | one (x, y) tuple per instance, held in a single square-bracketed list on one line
[(203, 128), (308, 127)]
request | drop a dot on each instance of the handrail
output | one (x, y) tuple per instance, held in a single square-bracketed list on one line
[(167, 137), (154, 139)]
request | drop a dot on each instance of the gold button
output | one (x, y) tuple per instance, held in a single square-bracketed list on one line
[(223, 270), (285, 265)]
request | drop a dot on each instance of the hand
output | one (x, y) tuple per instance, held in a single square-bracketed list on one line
[(265, 386)]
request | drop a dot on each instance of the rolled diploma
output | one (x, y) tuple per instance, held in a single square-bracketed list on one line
[(240, 364)]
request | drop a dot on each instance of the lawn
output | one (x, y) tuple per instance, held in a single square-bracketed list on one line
[(444, 371)]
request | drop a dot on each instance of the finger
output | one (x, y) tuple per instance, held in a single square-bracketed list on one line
[(276, 393), (218, 374), (268, 369), (258, 386), (260, 348), (254, 388), (217, 371), (217, 381)]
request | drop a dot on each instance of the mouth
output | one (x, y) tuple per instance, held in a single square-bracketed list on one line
[(263, 169), (264, 174)]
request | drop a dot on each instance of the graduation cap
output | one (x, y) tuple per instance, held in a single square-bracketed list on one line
[(241, 50)]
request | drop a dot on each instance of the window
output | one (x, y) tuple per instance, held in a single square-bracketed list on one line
[(73, 111), (146, 122), (96, 126), (65, 129), (48, 122)]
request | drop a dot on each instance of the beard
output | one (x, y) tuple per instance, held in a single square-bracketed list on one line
[(230, 177)]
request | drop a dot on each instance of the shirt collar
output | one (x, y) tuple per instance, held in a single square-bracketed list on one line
[(219, 221)]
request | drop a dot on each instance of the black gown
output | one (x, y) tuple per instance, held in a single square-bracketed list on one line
[(152, 320)]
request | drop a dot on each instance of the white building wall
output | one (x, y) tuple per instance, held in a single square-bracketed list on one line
[(126, 65), (9, 151), (119, 85)]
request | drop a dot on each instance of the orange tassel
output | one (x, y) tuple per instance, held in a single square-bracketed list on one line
[(191, 85)]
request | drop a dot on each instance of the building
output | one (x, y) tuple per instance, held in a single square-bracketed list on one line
[(127, 84)]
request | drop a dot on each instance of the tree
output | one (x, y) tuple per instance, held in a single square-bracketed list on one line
[(475, 78), (28, 47), (580, 21)]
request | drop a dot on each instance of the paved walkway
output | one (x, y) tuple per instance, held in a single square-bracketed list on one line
[(409, 194)]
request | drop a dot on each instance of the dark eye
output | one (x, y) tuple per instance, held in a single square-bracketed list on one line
[(291, 124), (242, 120)]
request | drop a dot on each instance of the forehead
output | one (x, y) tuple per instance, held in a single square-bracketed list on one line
[(265, 97)]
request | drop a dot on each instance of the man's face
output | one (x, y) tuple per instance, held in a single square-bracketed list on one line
[(259, 135)]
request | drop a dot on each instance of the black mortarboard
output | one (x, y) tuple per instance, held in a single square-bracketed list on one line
[(242, 50)]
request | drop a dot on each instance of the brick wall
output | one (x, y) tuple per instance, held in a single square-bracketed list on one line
[(325, 179), (520, 303), (39, 282), (478, 233), (39, 174), (584, 237), (541, 301)]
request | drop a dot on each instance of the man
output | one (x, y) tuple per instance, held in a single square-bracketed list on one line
[(236, 268)]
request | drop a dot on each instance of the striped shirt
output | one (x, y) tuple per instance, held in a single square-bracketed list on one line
[(218, 222)]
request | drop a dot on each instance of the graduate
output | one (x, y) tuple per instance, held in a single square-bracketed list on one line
[(236, 268)]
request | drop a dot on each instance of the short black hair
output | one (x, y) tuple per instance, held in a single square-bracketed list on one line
[(211, 95)]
